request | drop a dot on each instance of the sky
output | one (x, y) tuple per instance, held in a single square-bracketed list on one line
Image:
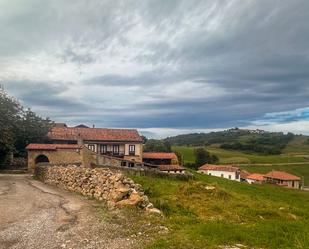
[(163, 67)]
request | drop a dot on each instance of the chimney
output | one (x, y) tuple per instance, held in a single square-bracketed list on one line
[(80, 140)]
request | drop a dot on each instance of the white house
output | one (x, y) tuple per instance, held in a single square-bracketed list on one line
[(255, 178), (225, 171)]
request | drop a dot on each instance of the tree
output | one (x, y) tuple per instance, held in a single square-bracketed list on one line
[(9, 119), (179, 157), (18, 127), (153, 145), (202, 156)]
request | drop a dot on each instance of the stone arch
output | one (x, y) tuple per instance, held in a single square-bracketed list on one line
[(41, 159)]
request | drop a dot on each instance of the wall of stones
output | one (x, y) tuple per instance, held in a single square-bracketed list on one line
[(102, 184)]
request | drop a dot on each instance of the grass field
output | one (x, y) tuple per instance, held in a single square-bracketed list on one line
[(298, 146), (236, 157), (257, 216)]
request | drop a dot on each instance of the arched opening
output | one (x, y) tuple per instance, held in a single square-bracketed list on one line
[(41, 159)]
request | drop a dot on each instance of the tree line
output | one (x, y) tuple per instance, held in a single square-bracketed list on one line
[(268, 143), (18, 128)]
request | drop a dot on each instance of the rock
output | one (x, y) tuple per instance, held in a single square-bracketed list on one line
[(210, 188), (150, 205), (133, 200), (153, 211)]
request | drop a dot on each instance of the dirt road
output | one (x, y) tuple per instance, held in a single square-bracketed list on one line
[(35, 215)]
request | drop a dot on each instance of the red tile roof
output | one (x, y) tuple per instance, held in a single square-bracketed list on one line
[(170, 168), (244, 174), (159, 155), (94, 134), (52, 146), (256, 177), (228, 168), (281, 175)]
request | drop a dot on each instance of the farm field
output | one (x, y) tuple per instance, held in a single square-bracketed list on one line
[(230, 213), (237, 157)]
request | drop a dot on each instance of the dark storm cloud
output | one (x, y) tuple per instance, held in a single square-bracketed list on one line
[(43, 94), (185, 64)]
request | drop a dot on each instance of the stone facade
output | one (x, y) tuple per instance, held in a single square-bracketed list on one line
[(102, 184), (79, 155), (59, 156)]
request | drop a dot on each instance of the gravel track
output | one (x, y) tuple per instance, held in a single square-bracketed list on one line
[(34, 215)]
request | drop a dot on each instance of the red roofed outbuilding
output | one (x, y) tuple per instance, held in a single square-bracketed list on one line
[(225, 171), (160, 158), (283, 179), (255, 178)]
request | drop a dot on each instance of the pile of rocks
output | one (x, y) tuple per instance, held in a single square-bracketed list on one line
[(102, 184)]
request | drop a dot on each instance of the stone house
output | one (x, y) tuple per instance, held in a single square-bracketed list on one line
[(284, 179), (121, 143), (225, 171)]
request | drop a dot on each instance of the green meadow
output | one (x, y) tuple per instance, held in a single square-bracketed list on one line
[(229, 213), (237, 157)]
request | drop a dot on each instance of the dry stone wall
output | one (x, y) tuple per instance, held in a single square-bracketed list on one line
[(102, 184)]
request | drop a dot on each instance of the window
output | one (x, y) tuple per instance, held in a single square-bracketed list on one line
[(131, 165), (230, 177), (91, 147), (132, 150), (124, 164), (103, 148), (116, 149)]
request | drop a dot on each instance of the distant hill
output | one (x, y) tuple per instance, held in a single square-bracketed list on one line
[(257, 141)]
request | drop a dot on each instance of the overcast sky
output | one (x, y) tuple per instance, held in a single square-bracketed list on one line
[(164, 67)]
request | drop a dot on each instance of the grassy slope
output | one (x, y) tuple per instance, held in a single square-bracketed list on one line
[(254, 215), (298, 146)]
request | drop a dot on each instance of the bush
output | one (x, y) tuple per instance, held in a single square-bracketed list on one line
[(202, 156)]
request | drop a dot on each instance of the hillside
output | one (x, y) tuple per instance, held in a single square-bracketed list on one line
[(211, 212), (293, 159), (256, 141)]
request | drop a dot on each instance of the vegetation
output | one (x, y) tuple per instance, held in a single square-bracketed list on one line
[(236, 139), (18, 127), (257, 216), (202, 156), (153, 145), (239, 157)]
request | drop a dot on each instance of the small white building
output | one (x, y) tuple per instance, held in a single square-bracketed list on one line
[(255, 178), (225, 171)]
